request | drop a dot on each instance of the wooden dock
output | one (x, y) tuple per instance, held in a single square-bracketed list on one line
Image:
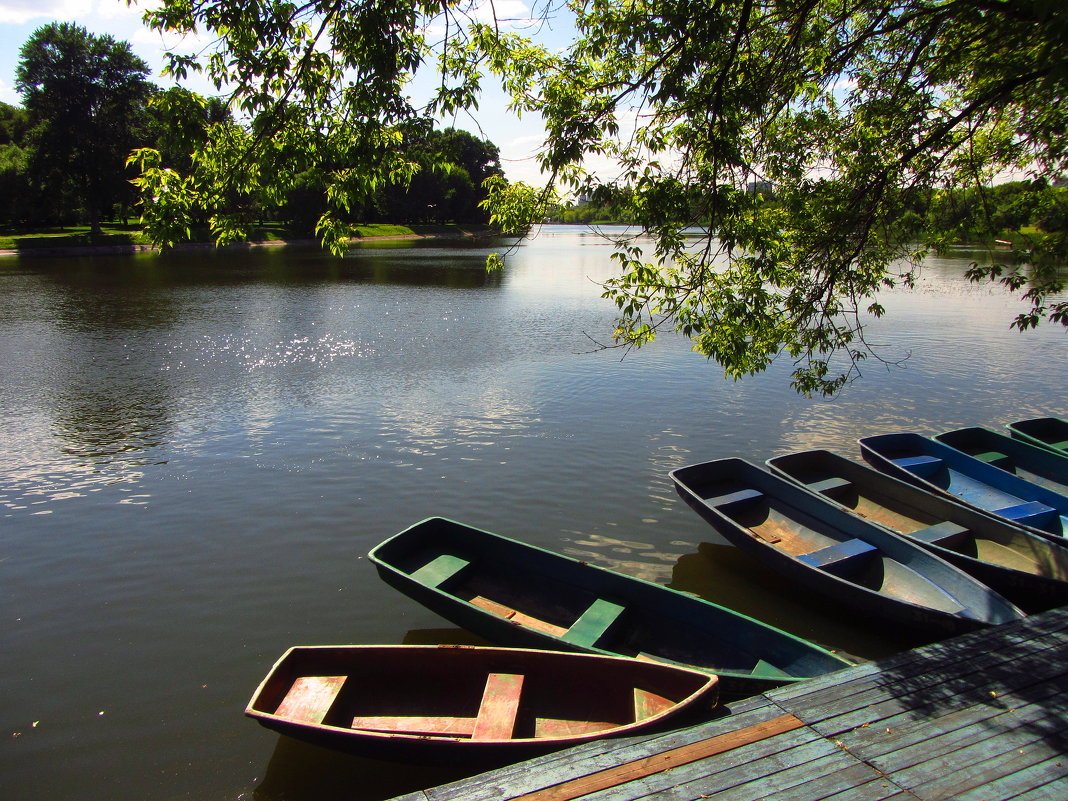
[(982, 717)]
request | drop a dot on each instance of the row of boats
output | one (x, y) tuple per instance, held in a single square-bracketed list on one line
[(943, 535)]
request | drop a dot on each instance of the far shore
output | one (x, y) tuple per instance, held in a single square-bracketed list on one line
[(105, 249)]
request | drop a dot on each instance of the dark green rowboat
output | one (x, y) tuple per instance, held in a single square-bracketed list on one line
[(1046, 432), (516, 594)]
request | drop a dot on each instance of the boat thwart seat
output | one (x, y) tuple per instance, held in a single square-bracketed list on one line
[(840, 557), (830, 484), (748, 494), (495, 721), (944, 533), (499, 708), (1030, 513), (593, 623), (995, 458), (921, 465), (440, 569)]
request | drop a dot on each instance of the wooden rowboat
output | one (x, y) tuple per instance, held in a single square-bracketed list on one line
[(1046, 432), (867, 568), (457, 701), (1027, 569), (939, 468), (1030, 462), (516, 594)]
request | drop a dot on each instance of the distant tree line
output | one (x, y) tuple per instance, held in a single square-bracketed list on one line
[(1028, 214), (87, 104)]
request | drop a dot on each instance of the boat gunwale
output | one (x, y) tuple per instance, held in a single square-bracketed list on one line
[(709, 684)]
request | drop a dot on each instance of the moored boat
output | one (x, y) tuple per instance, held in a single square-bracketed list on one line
[(1046, 432), (937, 467), (865, 567), (1025, 568), (1030, 462), (456, 702), (517, 594)]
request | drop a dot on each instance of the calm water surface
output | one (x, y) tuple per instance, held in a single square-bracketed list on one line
[(200, 449)]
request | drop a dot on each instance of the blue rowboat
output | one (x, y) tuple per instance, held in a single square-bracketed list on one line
[(519, 595), (1029, 462), (938, 467), (867, 568), (1046, 432), (1027, 569)]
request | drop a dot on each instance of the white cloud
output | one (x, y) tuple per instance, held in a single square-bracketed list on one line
[(8, 94), (21, 11)]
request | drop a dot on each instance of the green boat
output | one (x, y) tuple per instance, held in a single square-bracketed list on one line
[(519, 595), (1046, 432)]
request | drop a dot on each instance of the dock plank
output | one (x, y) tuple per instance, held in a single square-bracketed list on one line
[(708, 776), (979, 717)]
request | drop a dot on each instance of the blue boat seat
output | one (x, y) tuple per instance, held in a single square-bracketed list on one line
[(944, 533), (840, 557), (1030, 514), (593, 623), (439, 570), (830, 484), (748, 494), (921, 465)]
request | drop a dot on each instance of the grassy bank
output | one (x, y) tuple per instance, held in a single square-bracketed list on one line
[(114, 234)]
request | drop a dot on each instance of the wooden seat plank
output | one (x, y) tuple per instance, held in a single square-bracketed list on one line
[(310, 698), (837, 558), (439, 570), (830, 484), (944, 533), (737, 496), (1031, 511), (993, 457), (499, 708), (593, 623), (921, 462), (647, 704), (519, 617), (397, 724), (556, 727)]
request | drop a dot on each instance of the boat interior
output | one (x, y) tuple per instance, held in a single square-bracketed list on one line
[(537, 600), (794, 532), (505, 701)]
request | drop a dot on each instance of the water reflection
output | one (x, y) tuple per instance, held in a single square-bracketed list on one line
[(722, 574), (200, 447), (301, 772)]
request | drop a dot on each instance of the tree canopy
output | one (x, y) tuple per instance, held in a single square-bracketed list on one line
[(83, 94), (849, 109)]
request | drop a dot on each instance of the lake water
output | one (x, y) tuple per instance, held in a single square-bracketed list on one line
[(199, 449)]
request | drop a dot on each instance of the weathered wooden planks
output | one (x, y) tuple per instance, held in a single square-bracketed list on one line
[(500, 705), (310, 698), (658, 763), (975, 718)]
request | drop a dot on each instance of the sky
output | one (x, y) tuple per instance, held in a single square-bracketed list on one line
[(518, 140)]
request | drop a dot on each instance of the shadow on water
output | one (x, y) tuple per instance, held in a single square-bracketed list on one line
[(727, 576), (298, 771)]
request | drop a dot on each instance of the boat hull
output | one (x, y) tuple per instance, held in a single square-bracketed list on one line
[(939, 468), (1029, 462), (416, 702), (1029, 570), (867, 568), (516, 594), (1046, 432)]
